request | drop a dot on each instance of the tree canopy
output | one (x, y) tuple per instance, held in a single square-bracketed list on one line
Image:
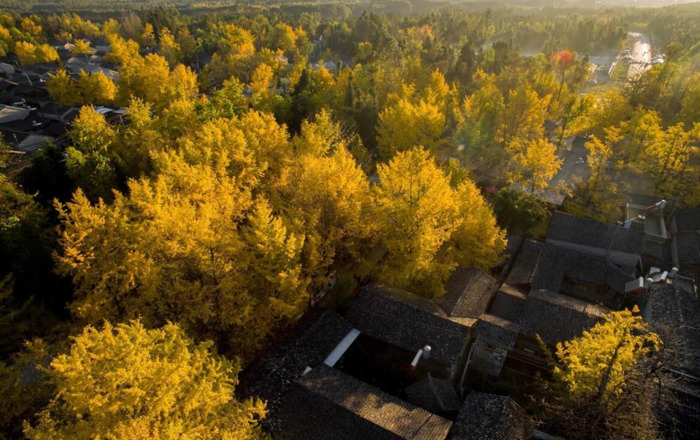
[(126, 381)]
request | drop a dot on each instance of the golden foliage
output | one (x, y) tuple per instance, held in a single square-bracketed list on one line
[(404, 125), (178, 247), (417, 214), (130, 382)]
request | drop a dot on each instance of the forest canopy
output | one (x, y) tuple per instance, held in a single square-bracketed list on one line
[(219, 167)]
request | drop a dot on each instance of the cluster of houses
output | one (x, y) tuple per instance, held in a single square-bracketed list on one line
[(392, 365), (29, 118)]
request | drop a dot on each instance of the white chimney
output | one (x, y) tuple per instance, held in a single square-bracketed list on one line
[(426, 352), (416, 358)]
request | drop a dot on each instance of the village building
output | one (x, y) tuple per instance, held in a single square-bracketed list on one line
[(391, 368), (685, 228), (673, 310)]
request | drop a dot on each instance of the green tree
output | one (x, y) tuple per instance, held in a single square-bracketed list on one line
[(29, 53), (169, 48), (88, 160), (81, 47), (523, 118), (599, 153), (24, 387), (518, 212), (638, 133)]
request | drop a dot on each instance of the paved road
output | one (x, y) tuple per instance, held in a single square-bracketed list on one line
[(641, 56)]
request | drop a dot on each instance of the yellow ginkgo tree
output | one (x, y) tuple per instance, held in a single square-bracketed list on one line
[(129, 382), (189, 245), (428, 227), (602, 379)]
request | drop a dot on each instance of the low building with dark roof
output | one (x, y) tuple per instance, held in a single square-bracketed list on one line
[(686, 249), (75, 65), (644, 234), (34, 142), (613, 242), (10, 113), (508, 303), (686, 220), (369, 375), (494, 339), (496, 331), (328, 404), (673, 311), (544, 266), (685, 245), (433, 394), (469, 293), (411, 322), (270, 377), (54, 111), (553, 317), (7, 70), (557, 318), (489, 416), (6, 86)]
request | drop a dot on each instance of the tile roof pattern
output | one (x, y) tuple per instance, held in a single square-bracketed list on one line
[(556, 317), (409, 322), (433, 394), (508, 303), (688, 219), (582, 231), (489, 416), (328, 404), (270, 377), (671, 308), (469, 292), (688, 245), (674, 313), (544, 266), (496, 331)]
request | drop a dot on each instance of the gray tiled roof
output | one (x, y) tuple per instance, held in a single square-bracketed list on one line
[(688, 219), (688, 244), (409, 322), (674, 313), (677, 310), (524, 267), (271, 376), (557, 318), (490, 417), (582, 231), (433, 394), (508, 303), (496, 331), (544, 266), (469, 292), (328, 404)]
